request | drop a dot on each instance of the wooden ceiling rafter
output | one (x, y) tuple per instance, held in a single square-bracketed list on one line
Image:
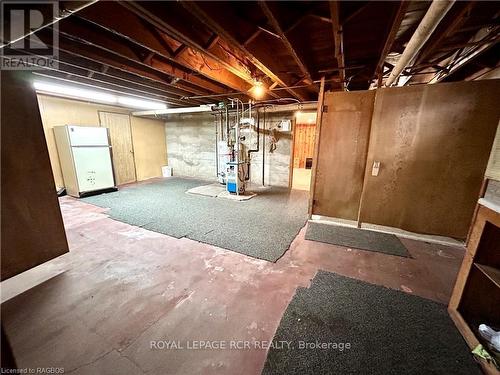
[(163, 26), (201, 15), (122, 49), (437, 38), (389, 40), (82, 49), (114, 75), (291, 50), (193, 64), (338, 41)]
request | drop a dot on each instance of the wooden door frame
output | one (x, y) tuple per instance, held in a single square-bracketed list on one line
[(131, 138)]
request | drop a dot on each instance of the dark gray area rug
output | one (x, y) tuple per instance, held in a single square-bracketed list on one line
[(389, 332), (356, 238), (262, 227)]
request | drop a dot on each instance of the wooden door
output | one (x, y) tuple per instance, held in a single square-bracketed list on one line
[(342, 149), (121, 143)]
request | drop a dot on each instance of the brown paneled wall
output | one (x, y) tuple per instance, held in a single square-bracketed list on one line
[(432, 142)]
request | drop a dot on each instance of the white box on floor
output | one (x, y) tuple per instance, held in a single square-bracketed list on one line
[(166, 171)]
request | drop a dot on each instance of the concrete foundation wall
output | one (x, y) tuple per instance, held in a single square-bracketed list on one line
[(191, 142), (191, 145)]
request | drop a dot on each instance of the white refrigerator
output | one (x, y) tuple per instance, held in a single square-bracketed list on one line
[(85, 158)]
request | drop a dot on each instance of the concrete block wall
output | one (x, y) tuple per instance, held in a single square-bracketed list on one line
[(191, 143)]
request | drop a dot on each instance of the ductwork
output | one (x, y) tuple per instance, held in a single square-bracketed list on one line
[(434, 15)]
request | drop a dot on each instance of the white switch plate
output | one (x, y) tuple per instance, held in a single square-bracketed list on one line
[(375, 168)]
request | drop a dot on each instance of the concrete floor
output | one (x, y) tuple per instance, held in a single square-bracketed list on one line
[(121, 287)]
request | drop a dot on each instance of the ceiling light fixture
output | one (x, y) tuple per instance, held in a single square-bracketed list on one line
[(96, 96), (258, 90), (74, 92), (140, 103)]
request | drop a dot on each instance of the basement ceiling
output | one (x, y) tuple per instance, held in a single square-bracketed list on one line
[(192, 53)]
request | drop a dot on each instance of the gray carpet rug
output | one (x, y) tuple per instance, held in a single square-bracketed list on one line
[(389, 332), (262, 227), (356, 238)]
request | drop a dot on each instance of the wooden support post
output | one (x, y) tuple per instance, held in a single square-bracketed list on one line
[(319, 118)]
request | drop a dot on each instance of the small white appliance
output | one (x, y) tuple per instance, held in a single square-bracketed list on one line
[(85, 158)]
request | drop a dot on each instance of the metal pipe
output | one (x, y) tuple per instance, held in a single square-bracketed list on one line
[(255, 149), (434, 15), (237, 147), (264, 147), (216, 123), (227, 125)]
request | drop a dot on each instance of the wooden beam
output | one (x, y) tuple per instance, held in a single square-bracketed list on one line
[(338, 40), (456, 65), (115, 76), (389, 41), (356, 13), (275, 24), (179, 50), (77, 67), (90, 38), (319, 120), (201, 15), (255, 34), (127, 26), (211, 42), (101, 55), (162, 25)]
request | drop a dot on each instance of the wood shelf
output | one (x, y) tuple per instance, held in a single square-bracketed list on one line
[(475, 300), (491, 272)]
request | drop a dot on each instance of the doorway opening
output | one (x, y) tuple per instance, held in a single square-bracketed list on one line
[(303, 150)]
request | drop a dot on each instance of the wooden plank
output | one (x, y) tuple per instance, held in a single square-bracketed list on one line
[(275, 24), (32, 227), (339, 40), (491, 273), (396, 23), (199, 13), (344, 138), (319, 116), (433, 142), (125, 24), (121, 145)]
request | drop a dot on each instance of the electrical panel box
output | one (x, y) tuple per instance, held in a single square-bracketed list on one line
[(285, 126)]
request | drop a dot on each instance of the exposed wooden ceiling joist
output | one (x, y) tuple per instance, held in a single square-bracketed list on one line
[(110, 43), (200, 14), (100, 55), (275, 24), (338, 40), (144, 13), (128, 25), (456, 18), (389, 41)]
